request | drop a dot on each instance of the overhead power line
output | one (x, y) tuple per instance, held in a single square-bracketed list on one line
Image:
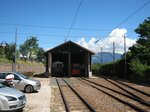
[(74, 18), (27, 25), (55, 27), (71, 28), (52, 35), (126, 19), (136, 11)]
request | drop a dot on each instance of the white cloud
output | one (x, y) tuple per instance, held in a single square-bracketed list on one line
[(115, 36), (46, 49)]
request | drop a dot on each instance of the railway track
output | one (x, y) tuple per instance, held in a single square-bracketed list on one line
[(147, 94), (72, 99), (130, 90), (133, 101)]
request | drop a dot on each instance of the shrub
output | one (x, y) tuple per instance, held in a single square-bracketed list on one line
[(137, 67), (4, 60), (147, 73), (95, 68), (29, 74)]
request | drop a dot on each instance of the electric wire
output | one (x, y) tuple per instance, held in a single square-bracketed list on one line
[(54, 35), (131, 15), (74, 18), (126, 19), (55, 27), (71, 28)]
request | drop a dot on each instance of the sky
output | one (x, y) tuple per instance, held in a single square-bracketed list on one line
[(50, 20)]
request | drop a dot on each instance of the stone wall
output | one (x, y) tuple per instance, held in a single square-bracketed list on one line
[(37, 69)]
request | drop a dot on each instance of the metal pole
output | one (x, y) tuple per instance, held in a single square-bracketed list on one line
[(69, 61), (114, 55), (15, 50), (101, 55), (69, 64), (125, 74)]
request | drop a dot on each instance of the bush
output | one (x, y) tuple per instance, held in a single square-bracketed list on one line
[(104, 69), (111, 69), (4, 60), (137, 67), (147, 73), (95, 68), (29, 74)]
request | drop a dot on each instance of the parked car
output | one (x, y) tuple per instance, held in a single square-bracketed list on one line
[(11, 99), (22, 82)]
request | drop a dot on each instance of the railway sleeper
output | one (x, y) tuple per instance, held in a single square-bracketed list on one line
[(120, 100)]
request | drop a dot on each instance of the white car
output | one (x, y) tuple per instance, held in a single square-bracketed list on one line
[(22, 82), (11, 99)]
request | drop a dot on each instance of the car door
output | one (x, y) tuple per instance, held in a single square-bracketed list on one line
[(2, 77), (18, 82)]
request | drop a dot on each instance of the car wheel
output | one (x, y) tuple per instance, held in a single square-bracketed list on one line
[(20, 110), (28, 89)]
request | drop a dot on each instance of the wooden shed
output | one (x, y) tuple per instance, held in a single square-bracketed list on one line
[(68, 59)]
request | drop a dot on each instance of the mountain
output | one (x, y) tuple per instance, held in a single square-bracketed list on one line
[(106, 57)]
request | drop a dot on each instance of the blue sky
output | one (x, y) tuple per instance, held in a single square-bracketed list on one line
[(49, 20)]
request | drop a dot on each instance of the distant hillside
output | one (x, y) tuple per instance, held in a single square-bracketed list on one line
[(106, 57)]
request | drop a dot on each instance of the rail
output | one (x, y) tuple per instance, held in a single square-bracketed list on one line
[(120, 100), (76, 93), (63, 97), (81, 98), (128, 96)]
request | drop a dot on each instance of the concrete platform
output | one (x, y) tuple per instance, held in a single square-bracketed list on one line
[(39, 101)]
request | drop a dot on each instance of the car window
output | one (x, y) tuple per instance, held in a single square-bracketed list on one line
[(8, 73), (16, 77), (2, 75), (1, 85), (21, 75)]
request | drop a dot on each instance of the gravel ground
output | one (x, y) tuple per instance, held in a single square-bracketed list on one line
[(74, 103), (137, 86), (39, 101), (100, 101), (125, 98), (56, 104), (112, 86), (56, 101)]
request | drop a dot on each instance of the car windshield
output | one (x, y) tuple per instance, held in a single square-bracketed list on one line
[(1, 85), (23, 76)]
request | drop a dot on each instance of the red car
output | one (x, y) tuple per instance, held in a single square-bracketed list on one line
[(76, 69)]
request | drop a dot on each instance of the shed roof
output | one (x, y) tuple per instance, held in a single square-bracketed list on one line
[(67, 44)]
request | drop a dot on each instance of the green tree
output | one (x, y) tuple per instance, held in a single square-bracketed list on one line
[(144, 31), (23, 50), (142, 47), (10, 51), (139, 54), (1, 51), (137, 67), (40, 54), (29, 47)]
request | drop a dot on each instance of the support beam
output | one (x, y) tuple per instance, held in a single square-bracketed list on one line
[(69, 64), (50, 62)]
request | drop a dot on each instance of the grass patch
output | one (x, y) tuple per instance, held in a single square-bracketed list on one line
[(4, 60), (18, 61)]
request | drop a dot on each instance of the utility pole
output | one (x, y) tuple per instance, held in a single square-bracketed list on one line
[(125, 72), (15, 53), (114, 59), (101, 55)]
